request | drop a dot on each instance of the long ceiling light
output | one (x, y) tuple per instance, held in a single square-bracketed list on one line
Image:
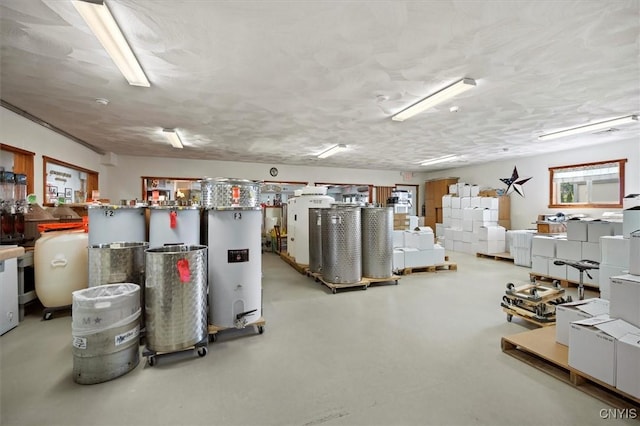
[(443, 159), (590, 128), (173, 138), (101, 22), (333, 150), (435, 98)]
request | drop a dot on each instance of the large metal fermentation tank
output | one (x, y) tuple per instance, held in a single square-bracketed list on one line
[(174, 225), (377, 242), (176, 297), (117, 262), (315, 239), (298, 219), (234, 224), (341, 244), (109, 223)]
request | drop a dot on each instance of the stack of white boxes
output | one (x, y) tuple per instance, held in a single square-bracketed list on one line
[(607, 347), (543, 252), (520, 247), (416, 249), (464, 212), (489, 239), (614, 260)]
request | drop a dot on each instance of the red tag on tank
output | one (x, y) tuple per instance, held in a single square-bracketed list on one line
[(235, 194), (183, 270), (173, 218)]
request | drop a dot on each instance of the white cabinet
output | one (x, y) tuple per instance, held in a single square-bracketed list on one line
[(9, 314)]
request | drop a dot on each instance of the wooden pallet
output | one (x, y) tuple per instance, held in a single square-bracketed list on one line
[(214, 329), (300, 267), (514, 311), (496, 256), (392, 279), (539, 349), (363, 283), (563, 282), (446, 266)]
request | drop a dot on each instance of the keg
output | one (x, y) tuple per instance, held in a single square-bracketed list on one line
[(175, 297), (341, 244), (315, 240), (105, 328), (109, 223), (377, 242)]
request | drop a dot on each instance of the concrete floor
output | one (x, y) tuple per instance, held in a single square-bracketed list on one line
[(425, 352)]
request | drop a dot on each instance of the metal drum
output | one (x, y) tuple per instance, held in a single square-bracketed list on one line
[(176, 297), (108, 224), (341, 245), (105, 328), (377, 242), (315, 240), (174, 225), (118, 262), (226, 192)]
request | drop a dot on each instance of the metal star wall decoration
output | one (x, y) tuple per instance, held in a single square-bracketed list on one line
[(514, 183)]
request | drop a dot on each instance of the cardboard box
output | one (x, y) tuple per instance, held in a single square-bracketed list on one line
[(456, 213), (604, 277), (458, 235), (413, 258), (446, 221), (456, 223), (467, 225), (574, 275), (540, 265), (438, 254), (569, 250), (467, 236), (448, 234), (446, 201), (467, 213), (557, 271), (543, 246), (591, 251), (577, 230), (413, 222), (398, 238), (446, 212), (634, 253), (475, 190), (625, 298), (489, 233), (576, 311), (592, 346), (630, 221), (439, 230), (468, 248), (421, 240), (628, 364), (631, 200), (453, 188), (398, 259), (481, 214), (491, 246), (465, 202), (617, 228), (493, 217), (490, 203), (448, 245), (597, 229), (476, 201), (615, 251), (464, 190)]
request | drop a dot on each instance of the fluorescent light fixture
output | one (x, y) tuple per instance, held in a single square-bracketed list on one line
[(436, 98), (173, 138), (101, 22), (590, 128), (334, 149), (443, 159)]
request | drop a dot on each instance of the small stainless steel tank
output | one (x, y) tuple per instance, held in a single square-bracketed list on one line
[(377, 242), (341, 244), (315, 239)]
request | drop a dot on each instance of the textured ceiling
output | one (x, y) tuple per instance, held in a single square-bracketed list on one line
[(281, 81)]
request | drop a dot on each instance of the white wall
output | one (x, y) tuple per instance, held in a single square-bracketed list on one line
[(20, 132), (125, 180), (524, 211)]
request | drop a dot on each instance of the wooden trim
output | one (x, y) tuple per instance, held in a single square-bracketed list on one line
[(93, 177), (622, 175), (171, 178), (9, 148), (46, 160)]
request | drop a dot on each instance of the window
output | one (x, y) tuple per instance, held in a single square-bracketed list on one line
[(596, 185), (68, 183)]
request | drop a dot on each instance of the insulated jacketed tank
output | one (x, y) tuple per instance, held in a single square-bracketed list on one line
[(341, 244), (377, 242), (176, 297), (174, 225), (110, 223), (315, 239), (298, 219), (233, 234)]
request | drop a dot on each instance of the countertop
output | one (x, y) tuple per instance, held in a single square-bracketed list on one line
[(8, 252)]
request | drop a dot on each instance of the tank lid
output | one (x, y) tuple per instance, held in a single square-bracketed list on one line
[(231, 181), (114, 206), (159, 207)]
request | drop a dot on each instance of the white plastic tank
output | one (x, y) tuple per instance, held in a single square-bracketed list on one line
[(60, 267), (110, 223), (174, 225), (298, 219)]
